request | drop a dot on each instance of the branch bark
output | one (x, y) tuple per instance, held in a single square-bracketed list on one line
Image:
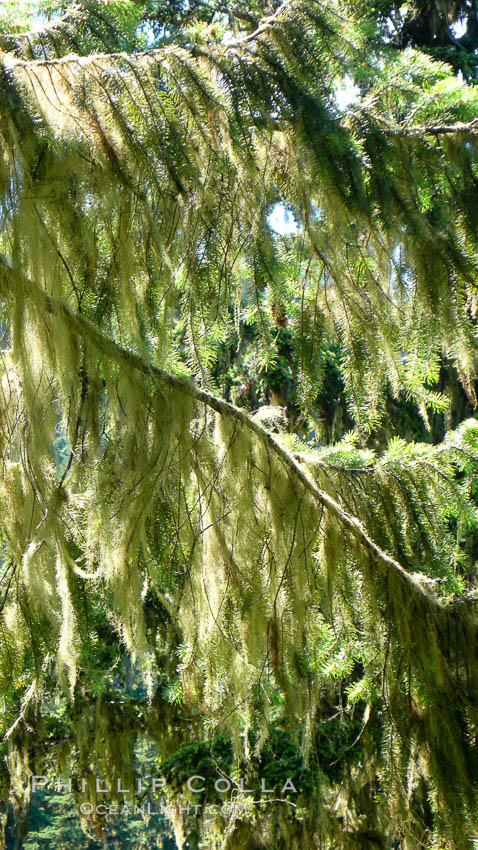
[(435, 129)]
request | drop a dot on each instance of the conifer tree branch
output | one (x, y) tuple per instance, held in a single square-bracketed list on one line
[(436, 129), (264, 25), (84, 328), (152, 53)]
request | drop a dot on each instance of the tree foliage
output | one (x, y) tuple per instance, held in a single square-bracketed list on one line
[(257, 576)]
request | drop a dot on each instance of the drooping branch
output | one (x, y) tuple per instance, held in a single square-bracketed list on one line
[(86, 329), (157, 54)]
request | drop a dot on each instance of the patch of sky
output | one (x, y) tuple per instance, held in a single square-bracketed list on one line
[(147, 31), (458, 28), (61, 447), (282, 221), (346, 94)]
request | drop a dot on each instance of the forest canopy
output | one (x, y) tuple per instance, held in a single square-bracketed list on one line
[(238, 500)]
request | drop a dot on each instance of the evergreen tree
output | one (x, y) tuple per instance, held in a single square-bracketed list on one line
[(252, 589)]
